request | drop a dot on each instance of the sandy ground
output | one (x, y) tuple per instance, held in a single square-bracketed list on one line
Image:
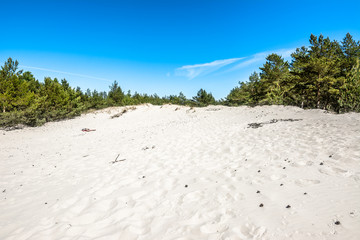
[(178, 173)]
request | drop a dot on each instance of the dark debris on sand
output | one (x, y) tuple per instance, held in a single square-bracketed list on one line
[(257, 125)]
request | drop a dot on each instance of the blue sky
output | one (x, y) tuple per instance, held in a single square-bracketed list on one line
[(163, 47)]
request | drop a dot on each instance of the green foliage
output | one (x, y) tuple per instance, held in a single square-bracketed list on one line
[(203, 98), (350, 90), (248, 93), (7, 79), (351, 51), (116, 95), (274, 80), (25, 100), (325, 75), (239, 95)]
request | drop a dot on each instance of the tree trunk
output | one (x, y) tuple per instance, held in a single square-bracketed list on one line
[(318, 98), (318, 93), (3, 109)]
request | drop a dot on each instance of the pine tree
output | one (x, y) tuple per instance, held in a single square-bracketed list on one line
[(316, 73), (116, 95), (204, 98), (248, 93), (324, 68), (14, 89), (239, 95), (302, 90), (350, 92), (274, 75), (7, 77), (351, 52)]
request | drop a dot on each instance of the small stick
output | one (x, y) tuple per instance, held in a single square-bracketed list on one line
[(116, 159)]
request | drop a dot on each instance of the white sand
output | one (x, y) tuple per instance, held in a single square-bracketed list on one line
[(57, 182)]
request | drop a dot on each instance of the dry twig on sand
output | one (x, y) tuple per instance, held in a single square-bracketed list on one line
[(116, 159)]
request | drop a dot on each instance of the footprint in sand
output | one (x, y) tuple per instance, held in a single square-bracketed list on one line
[(227, 188), (302, 163), (70, 202), (139, 227), (339, 170), (230, 173), (139, 195), (159, 193), (104, 191), (277, 176), (257, 181), (221, 198), (127, 201), (306, 182), (213, 228), (124, 213), (325, 171), (167, 184), (334, 171), (192, 197), (87, 218), (104, 205), (250, 231)]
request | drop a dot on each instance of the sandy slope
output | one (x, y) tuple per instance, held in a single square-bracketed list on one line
[(187, 174)]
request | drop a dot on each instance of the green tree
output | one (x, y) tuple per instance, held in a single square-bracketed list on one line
[(351, 52), (116, 95), (182, 99), (350, 91), (239, 95), (204, 98), (56, 101), (248, 93), (316, 74), (97, 100), (324, 71), (274, 78), (302, 91), (14, 90), (33, 84)]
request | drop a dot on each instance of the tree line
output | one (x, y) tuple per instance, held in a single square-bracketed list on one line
[(25, 100), (324, 75)]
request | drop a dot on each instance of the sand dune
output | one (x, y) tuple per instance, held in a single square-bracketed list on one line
[(173, 172)]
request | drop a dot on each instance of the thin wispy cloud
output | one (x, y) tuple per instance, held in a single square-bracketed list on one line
[(67, 73), (228, 65), (196, 70), (260, 57)]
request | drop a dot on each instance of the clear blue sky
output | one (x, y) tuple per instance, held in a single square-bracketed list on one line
[(163, 46)]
